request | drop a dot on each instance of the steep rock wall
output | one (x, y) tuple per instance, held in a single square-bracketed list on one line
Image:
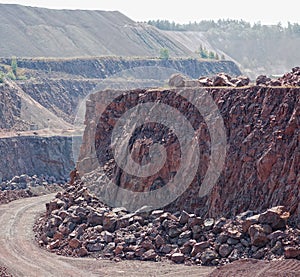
[(50, 156), (108, 66), (262, 165)]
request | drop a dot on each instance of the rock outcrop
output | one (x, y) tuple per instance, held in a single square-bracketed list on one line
[(104, 67), (261, 169), (32, 155)]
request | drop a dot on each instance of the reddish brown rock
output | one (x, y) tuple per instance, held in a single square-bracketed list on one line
[(257, 235), (262, 135), (53, 245), (291, 252), (82, 252), (222, 80), (276, 217), (262, 80), (150, 255), (199, 247), (74, 243), (159, 241), (225, 250)]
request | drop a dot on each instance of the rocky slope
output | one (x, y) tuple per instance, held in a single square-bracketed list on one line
[(103, 67), (261, 166), (48, 102), (76, 224), (28, 186)]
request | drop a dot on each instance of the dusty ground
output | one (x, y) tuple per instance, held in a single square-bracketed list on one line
[(20, 254)]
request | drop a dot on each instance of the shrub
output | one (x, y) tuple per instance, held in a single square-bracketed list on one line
[(14, 66), (164, 54)]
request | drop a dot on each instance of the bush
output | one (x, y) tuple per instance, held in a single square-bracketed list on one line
[(164, 54), (14, 66)]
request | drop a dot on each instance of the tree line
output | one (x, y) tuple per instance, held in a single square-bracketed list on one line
[(227, 25)]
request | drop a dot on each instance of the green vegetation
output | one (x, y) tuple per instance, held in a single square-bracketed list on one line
[(227, 25), (14, 66), (10, 75), (258, 48), (164, 54), (205, 54), (11, 72)]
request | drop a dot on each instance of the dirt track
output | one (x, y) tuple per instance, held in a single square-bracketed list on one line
[(22, 256)]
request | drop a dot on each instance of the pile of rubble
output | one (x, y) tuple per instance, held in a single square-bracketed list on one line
[(25, 181), (76, 223), (292, 78), (224, 80), (288, 79), (219, 80), (27, 186)]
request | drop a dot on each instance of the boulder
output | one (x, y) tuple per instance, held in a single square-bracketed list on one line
[(225, 250), (177, 258), (177, 80), (276, 217), (257, 235)]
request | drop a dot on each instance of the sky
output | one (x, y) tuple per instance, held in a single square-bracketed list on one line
[(184, 11)]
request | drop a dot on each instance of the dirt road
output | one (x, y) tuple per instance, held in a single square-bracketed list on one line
[(22, 256)]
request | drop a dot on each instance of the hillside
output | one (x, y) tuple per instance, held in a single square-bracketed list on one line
[(39, 32), (257, 48)]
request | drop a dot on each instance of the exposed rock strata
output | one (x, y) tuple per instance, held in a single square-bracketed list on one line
[(263, 155), (32, 155)]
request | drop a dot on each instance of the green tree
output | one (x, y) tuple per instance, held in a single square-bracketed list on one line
[(14, 66), (211, 55), (203, 52), (164, 54)]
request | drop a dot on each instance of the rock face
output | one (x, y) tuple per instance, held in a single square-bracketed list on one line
[(104, 67), (50, 156), (262, 166)]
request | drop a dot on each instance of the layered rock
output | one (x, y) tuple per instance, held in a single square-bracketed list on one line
[(32, 155), (262, 166)]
